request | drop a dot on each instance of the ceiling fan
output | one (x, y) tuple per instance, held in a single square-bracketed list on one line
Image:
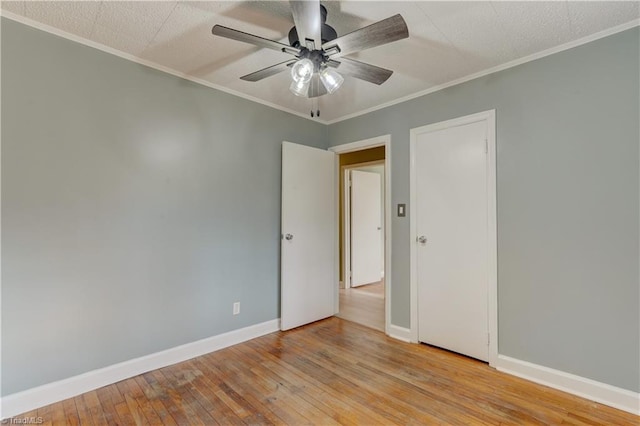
[(318, 51)]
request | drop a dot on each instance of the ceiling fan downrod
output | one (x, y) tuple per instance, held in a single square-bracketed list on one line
[(327, 33)]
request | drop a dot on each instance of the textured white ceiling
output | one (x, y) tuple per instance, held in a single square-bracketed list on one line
[(448, 40)]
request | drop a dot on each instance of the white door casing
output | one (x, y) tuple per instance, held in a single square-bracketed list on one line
[(454, 288), (309, 235), (366, 227)]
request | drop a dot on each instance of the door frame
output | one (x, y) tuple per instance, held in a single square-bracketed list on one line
[(492, 291), (346, 217), (384, 140)]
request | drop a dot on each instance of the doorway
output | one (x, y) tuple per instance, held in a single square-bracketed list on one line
[(364, 211), (454, 286)]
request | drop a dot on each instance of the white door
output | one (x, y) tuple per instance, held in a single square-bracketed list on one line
[(366, 228), (309, 235), (452, 238)]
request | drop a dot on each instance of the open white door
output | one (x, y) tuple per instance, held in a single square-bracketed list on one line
[(366, 228), (309, 235)]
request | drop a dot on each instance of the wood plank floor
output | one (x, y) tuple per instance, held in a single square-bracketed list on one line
[(328, 373)]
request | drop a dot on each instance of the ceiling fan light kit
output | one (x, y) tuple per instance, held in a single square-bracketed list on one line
[(320, 55)]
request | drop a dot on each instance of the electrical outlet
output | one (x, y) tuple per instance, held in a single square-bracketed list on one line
[(236, 308)]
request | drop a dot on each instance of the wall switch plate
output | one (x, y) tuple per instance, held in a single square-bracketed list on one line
[(402, 210), (236, 308)]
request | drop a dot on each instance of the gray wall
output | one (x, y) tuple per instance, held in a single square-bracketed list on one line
[(136, 208), (568, 185)]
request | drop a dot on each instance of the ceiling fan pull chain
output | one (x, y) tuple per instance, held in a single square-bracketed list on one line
[(314, 106)]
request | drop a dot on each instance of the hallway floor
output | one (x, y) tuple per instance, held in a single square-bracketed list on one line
[(364, 305)]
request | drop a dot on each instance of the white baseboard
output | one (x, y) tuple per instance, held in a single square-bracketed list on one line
[(400, 333), (30, 399), (21, 402), (603, 393)]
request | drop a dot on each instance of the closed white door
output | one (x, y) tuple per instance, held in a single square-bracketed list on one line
[(452, 238), (366, 228), (309, 235)]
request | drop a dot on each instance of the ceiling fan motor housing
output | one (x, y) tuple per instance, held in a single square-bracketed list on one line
[(327, 33)]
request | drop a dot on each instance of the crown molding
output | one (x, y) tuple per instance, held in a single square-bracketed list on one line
[(569, 45), (498, 68), (72, 37)]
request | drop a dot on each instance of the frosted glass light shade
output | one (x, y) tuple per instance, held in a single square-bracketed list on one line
[(302, 71), (331, 79), (299, 88)]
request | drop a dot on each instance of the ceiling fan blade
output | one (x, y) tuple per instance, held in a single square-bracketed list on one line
[(357, 69), (269, 71), (306, 16), (377, 34), (316, 88), (227, 32)]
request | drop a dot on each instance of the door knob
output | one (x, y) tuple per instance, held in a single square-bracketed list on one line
[(421, 239), (288, 237)]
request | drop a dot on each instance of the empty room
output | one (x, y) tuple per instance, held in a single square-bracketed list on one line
[(320, 213)]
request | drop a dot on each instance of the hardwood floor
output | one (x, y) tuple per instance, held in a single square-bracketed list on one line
[(364, 305), (328, 373)]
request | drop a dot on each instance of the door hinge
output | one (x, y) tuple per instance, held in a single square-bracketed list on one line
[(486, 146), (488, 339)]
